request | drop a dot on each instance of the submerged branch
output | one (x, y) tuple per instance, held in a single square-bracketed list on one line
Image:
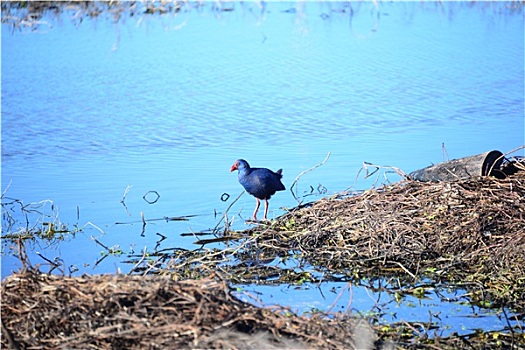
[(304, 172)]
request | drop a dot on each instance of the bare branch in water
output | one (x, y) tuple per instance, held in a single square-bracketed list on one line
[(225, 216), (124, 198), (304, 172)]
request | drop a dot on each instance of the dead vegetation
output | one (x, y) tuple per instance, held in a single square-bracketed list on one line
[(35, 15), (141, 312), (466, 233), (154, 312)]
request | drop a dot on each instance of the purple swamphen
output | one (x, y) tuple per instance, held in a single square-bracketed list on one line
[(261, 183)]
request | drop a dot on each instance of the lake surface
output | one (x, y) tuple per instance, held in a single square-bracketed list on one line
[(168, 103)]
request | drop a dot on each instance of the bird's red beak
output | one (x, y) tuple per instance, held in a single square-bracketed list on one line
[(234, 167)]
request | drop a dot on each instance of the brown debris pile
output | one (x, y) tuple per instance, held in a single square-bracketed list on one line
[(150, 312), (469, 231), (154, 312), (411, 222)]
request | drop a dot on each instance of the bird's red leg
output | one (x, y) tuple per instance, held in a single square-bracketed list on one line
[(265, 209), (256, 209)]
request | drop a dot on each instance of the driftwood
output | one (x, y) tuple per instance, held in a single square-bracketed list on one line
[(484, 164)]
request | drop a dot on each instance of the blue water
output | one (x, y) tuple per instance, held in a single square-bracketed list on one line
[(168, 103), (445, 309)]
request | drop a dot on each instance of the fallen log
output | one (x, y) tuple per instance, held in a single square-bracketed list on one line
[(484, 164)]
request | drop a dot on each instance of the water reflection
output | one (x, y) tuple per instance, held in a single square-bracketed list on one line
[(433, 315)]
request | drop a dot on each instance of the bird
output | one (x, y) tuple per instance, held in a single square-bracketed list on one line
[(261, 183)]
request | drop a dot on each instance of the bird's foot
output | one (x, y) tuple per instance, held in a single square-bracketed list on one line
[(252, 220), (257, 221)]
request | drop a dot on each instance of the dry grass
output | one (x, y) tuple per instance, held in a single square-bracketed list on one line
[(141, 312), (464, 231)]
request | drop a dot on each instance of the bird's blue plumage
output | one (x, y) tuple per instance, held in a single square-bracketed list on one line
[(261, 183)]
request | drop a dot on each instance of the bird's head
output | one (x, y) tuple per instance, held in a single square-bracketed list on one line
[(240, 164)]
